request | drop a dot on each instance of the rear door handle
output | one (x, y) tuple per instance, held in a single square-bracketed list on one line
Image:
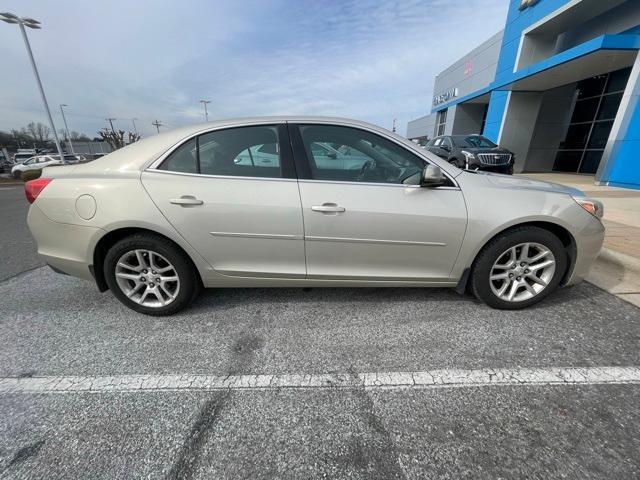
[(186, 200), (327, 208)]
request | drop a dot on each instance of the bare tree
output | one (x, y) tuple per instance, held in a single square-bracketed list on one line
[(116, 139), (78, 136), (38, 131)]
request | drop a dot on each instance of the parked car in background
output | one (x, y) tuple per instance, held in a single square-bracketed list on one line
[(472, 152), (39, 162), (70, 159), (157, 220), (23, 155), (5, 163)]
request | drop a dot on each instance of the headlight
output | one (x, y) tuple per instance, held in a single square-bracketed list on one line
[(469, 155), (594, 207)]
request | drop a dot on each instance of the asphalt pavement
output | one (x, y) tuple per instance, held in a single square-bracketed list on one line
[(57, 326), (17, 247)]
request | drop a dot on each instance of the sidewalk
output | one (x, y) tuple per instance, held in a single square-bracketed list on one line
[(617, 269)]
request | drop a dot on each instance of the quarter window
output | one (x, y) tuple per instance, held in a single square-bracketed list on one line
[(184, 159), (354, 155)]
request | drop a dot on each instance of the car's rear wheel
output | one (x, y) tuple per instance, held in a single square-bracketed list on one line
[(518, 268), (150, 275)]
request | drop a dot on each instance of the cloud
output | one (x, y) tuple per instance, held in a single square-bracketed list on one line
[(372, 60)]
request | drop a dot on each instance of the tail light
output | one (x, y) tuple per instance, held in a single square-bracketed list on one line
[(33, 188)]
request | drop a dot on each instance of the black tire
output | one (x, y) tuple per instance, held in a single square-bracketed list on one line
[(190, 284), (481, 270), (17, 174)]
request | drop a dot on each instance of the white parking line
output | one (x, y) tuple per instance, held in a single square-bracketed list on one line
[(393, 380)]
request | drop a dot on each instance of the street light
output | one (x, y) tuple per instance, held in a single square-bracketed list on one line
[(134, 125), (31, 23), (206, 114), (66, 128)]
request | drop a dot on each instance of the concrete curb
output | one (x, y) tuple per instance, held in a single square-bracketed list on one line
[(618, 274), (630, 263)]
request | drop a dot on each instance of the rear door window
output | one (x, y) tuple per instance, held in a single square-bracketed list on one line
[(252, 151)]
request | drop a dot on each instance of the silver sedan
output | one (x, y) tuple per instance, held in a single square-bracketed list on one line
[(305, 201)]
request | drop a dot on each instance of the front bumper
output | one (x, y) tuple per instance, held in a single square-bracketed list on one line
[(66, 248), (589, 242)]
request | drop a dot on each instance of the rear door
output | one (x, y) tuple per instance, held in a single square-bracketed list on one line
[(232, 194), (374, 222)]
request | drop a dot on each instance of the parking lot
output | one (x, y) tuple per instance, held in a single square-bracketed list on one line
[(310, 383)]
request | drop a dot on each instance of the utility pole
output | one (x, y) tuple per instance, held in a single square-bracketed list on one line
[(35, 24), (157, 124), (110, 120), (395, 123), (134, 125), (206, 114), (66, 128)]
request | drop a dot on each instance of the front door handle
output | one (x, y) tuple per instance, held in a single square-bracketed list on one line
[(328, 208), (186, 200)]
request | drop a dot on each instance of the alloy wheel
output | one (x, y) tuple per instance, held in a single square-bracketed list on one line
[(522, 272), (147, 278)]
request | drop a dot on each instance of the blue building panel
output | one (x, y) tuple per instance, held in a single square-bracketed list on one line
[(497, 105)]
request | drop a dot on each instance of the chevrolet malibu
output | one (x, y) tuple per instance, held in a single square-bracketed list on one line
[(199, 206)]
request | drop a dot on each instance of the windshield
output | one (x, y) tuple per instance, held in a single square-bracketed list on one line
[(474, 141)]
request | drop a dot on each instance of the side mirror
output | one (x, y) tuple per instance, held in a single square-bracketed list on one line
[(446, 148), (432, 176), (333, 155)]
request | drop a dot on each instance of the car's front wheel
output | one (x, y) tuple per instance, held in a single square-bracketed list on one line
[(150, 275), (518, 268)]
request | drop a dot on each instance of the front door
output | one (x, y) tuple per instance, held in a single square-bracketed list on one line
[(370, 219), (232, 194)]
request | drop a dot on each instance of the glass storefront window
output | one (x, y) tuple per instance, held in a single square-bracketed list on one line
[(441, 121), (567, 161), (590, 161), (600, 134), (609, 106), (577, 136), (596, 106), (591, 87), (618, 80), (585, 110)]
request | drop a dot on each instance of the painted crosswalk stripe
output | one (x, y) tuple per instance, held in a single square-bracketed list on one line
[(448, 378)]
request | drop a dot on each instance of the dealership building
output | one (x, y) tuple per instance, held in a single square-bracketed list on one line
[(559, 86)]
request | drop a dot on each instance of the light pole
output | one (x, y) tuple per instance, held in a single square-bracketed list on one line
[(31, 23), (134, 125), (66, 128), (157, 124), (206, 114)]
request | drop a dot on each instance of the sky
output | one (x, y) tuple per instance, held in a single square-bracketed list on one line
[(155, 59)]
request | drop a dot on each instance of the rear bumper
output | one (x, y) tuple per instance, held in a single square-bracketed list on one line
[(66, 248)]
